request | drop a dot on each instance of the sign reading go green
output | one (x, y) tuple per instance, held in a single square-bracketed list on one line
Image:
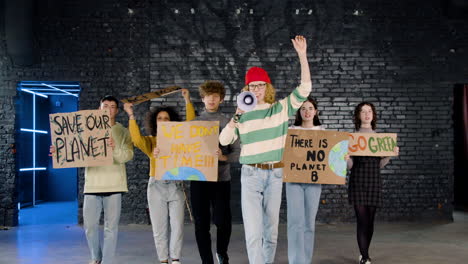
[(372, 144)]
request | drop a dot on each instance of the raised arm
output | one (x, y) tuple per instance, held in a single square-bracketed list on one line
[(189, 109), (299, 95), (300, 45), (141, 142)]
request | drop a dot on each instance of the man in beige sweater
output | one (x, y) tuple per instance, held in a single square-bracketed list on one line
[(103, 190)]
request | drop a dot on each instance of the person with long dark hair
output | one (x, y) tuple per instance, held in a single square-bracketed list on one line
[(365, 182), (303, 198), (165, 198)]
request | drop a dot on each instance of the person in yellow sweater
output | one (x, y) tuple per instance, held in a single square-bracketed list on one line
[(165, 198)]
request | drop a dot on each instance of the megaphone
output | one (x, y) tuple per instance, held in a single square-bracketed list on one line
[(246, 101)]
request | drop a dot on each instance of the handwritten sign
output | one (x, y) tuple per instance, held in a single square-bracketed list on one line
[(315, 156), (372, 144), (188, 151), (81, 139), (148, 96)]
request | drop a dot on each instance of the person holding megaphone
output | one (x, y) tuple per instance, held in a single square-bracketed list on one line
[(262, 133)]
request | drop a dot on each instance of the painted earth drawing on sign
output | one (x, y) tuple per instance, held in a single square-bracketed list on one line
[(184, 174), (336, 158)]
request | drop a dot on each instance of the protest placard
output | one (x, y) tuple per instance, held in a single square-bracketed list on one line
[(81, 139), (315, 156), (187, 151), (372, 144)]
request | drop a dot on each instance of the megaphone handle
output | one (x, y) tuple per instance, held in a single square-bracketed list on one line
[(237, 117)]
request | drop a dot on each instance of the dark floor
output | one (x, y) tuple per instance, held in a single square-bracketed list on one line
[(48, 234)]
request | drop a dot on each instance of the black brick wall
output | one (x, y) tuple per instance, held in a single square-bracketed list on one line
[(405, 56)]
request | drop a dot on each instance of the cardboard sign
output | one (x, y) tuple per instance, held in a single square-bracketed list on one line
[(188, 151), (372, 144), (148, 96), (315, 156), (81, 139)]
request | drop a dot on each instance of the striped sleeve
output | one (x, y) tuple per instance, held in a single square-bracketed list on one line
[(297, 97)]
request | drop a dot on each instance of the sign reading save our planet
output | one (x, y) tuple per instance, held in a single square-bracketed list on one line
[(315, 156), (372, 144), (187, 151), (81, 139)]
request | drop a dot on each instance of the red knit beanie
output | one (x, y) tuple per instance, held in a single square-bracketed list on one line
[(256, 74)]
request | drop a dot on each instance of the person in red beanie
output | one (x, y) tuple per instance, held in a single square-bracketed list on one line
[(262, 134)]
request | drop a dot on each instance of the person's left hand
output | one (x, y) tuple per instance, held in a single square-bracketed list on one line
[(221, 157), (111, 143), (186, 94), (300, 44), (396, 150)]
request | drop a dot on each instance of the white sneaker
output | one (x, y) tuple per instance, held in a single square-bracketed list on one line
[(176, 262), (95, 262), (364, 261)]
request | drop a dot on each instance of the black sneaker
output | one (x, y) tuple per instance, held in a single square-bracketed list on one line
[(222, 259)]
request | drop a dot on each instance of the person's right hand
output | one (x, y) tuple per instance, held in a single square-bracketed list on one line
[(128, 107), (239, 111), (51, 150)]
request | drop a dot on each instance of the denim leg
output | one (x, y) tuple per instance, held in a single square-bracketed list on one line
[(252, 212), (176, 216), (112, 207), (159, 217), (312, 202), (271, 206), (296, 222), (92, 208)]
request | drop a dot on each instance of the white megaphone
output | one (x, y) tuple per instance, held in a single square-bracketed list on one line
[(246, 101)]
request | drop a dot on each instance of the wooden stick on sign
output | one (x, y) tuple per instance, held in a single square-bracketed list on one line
[(148, 96)]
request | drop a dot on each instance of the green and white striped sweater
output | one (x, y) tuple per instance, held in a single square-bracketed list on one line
[(263, 130)]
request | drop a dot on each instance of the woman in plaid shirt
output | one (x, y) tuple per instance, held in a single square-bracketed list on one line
[(365, 183)]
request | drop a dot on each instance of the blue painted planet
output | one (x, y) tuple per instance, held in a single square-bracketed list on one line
[(184, 174), (336, 158)]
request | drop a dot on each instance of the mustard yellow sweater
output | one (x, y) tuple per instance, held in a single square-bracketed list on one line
[(148, 143)]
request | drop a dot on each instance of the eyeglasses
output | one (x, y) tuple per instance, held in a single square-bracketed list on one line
[(257, 86)]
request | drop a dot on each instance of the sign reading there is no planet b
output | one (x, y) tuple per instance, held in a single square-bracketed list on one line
[(315, 156)]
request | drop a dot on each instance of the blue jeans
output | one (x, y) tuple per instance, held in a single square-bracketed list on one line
[(92, 208), (261, 201), (166, 207), (303, 201)]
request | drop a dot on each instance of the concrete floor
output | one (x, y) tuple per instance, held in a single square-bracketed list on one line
[(36, 243)]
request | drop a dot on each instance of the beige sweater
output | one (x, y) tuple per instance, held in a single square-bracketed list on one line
[(111, 178)]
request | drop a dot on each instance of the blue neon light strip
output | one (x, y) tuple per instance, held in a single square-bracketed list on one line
[(34, 131), (31, 92), (59, 89), (33, 169)]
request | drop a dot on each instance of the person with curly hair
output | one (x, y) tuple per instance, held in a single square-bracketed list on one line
[(211, 200), (166, 199)]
